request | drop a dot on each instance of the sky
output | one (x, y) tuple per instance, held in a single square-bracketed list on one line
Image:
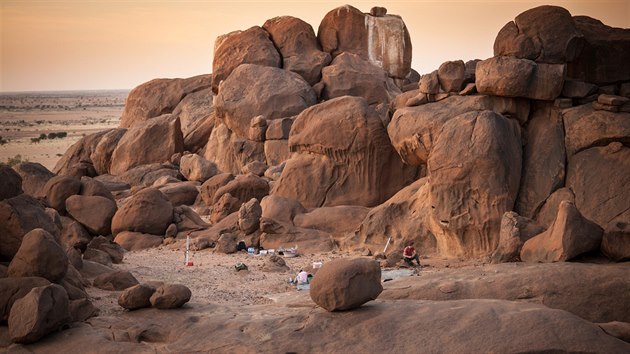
[(49, 45)]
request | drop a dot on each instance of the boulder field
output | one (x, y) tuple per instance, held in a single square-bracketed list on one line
[(328, 141)]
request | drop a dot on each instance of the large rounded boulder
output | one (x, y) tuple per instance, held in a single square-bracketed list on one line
[(148, 211), (34, 177), (253, 90), (39, 256), (11, 183), (93, 212), (345, 284), (60, 188), (298, 46), (153, 141), (251, 46), (342, 156)]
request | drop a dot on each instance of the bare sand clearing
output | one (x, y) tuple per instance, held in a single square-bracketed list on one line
[(27, 115), (213, 279)]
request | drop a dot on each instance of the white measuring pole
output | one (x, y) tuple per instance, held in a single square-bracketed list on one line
[(385, 249), (187, 260)]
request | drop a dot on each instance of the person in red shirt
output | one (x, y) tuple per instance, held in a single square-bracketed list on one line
[(409, 254)]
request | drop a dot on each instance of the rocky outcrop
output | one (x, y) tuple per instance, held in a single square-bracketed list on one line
[(605, 56), (11, 183), (345, 284), (513, 77), (158, 97), (545, 34), (12, 289), (193, 109), (343, 155), (34, 177), (170, 296), (76, 160), (515, 231), (181, 193), (253, 90), (60, 188), (93, 212), (209, 187), (380, 38), (39, 256), (148, 211), (251, 46), (413, 130), (298, 47), (195, 168), (599, 177), (101, 156), (18, 216), (350, 75), (586, 127), (153, 141), (249, 216), (42, 311), (244, 188), (466, 202), (568, 237), (544, 160)]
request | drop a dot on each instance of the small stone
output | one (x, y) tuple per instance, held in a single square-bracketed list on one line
[(612, 100), (604, 107)]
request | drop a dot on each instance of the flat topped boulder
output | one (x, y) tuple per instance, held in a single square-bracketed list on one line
[(345, 284), (380, 38)]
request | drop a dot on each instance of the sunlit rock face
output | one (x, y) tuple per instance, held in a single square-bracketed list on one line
[(380, 38)]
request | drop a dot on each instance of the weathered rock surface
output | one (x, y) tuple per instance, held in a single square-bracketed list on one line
[(405, 217), (39, 256), (225, 206), (251, 46), (600, 177), (34, 177), (135, 241), (93, 212), (466, 203), (605, 55), (383, 40), (515, 230), (158, 97), (153, 141), (170, 296), (114, 250), (545, 34), (12, 289), (281, 208), (244, 188), (568, 237), (337, 220), (544, 160), (451, 76), (18, 216), (590, 291), (11, 183), (181, 193), (413, 130), (42, 311), (148, 211), (586, 128), (101, 156), (253, 90), (193, 109), (298, 47), (306, 240), (59, 188), (195, 168), (73, 234), (350, 75), (345, 284), (76, 160), (343, 156), (146, 175), (249, 216), (512, 77), (117, 280), (136, 297)]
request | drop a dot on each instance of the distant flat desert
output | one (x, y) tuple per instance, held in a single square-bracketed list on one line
[(27, 115)]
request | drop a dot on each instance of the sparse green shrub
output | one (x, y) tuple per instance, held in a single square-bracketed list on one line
[(42, 136), (17, 159), (35, 140), (3, 140)]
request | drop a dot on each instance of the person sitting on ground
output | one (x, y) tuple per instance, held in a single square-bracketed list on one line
[(302, 278), (409, 254)]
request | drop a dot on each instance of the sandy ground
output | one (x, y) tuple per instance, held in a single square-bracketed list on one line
[(213, 279), (28, 115)]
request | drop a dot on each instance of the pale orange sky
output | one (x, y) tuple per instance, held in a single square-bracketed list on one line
[(111, 44)]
